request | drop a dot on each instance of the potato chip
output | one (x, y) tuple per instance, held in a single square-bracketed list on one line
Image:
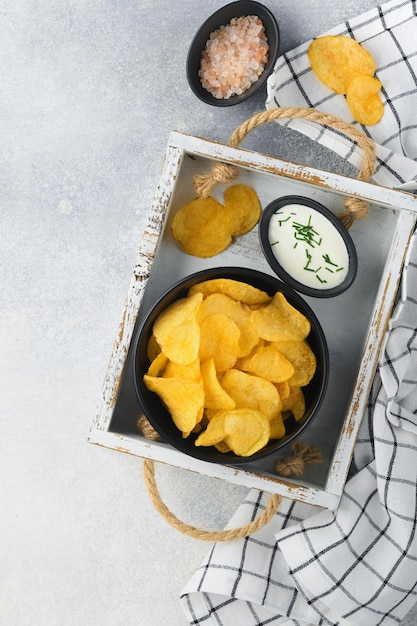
[(158, 365), (336, 59), (236, 289), (183, 398), (253, 392), (219, 340), (364, 102), (280, 321), (222, 447), (177, 331), (238, 312), (295, 403), (202, 228), (277, 427), (215, 396), (242, 203), (302, 358), (248, 431), (283, 389), (267, 362), (190, 371), (244, 431), (153, 348), (215, 431)]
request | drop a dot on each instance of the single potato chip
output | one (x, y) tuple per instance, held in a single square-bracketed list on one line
[(238, 312), (242, 204), (248, 431), (158, 365), (236, 289), (183, 398), (215, 396), (336, 59), (222, 447), (295, 403), (364, 102), (215, 431), (244, 431), (202, 228), (177, 331), (153, 348), (302, 358), (253, 392), (283, 389), (280, 321), (267, 362), (277, 427), (219, 340), (190, 371)]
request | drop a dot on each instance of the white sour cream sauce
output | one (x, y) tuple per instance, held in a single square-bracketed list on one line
[(308, 246)]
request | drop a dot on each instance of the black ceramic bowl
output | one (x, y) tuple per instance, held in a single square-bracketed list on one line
[(311, 252), (156, 412), (221, 18)]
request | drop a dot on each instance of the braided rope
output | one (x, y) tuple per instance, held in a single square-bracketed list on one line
[(197, 533)]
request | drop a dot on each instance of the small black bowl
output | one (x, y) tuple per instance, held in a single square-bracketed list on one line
[(157, 413), (306, 245), (221, 18)]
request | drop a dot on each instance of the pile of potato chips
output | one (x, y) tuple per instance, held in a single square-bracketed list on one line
[(205, 227), (229, 362), (344, 66)]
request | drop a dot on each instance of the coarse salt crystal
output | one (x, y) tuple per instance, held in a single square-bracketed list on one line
[(234, 57)]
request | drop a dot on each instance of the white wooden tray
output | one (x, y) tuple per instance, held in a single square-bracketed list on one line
[(354, 323)]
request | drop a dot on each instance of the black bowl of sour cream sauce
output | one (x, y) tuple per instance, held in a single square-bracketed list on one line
[(307, 246)]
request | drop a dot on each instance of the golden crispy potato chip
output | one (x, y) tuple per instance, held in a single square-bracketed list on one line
[(253, 392), (243, 206), (202, 228), (364, 102), (222, 447), (215, 431), (248, 431), (236, 289), (183, 398), (244, 431), (191, 371), (283, 389), (277, 427), (302, 358), (215, 396), (177, 331), (238, 312), (280, 321), (295, 403), (153, 348), (219, 340), (267, 362), (336, 59), (158, 365), (210, 413)]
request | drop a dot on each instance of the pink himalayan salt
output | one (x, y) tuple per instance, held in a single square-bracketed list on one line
[(234, 57)]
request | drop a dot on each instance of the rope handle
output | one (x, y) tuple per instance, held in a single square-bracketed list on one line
[(197, 533), (355, 208), (302, 454)]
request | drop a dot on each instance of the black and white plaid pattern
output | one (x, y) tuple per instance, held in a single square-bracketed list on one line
[(356, 566), (389, 34)]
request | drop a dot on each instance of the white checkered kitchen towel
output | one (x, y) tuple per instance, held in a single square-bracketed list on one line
[(356, 566)]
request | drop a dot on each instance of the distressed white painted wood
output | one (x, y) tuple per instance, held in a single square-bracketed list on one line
[(355, 323)]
